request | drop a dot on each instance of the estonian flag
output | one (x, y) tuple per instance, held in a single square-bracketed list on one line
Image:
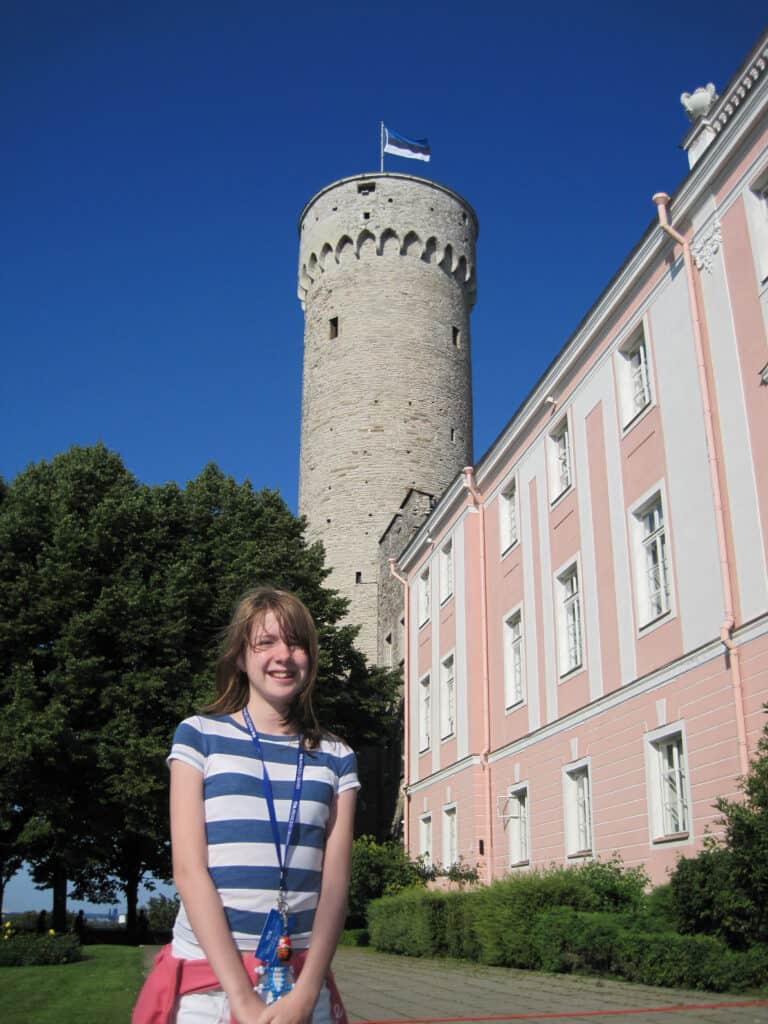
[(399, 145)]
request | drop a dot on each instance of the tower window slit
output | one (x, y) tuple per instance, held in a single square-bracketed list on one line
[(333, 327)]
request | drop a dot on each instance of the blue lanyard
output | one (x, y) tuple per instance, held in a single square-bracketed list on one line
[(295, 800)]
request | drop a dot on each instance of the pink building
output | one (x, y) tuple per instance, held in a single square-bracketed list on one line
[(587, 618)]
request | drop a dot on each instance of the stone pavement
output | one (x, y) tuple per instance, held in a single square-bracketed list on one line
[(380, 987)]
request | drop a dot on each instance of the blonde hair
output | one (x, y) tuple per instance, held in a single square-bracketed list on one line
[(298, 630)]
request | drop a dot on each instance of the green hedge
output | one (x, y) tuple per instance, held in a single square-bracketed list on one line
[(594, 921), (36, 950)]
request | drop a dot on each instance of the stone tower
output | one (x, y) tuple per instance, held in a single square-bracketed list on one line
[(387, 283)]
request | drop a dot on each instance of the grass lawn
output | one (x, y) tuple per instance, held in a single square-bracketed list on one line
[(99, 990)]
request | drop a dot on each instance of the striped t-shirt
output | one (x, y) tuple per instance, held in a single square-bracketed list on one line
[(242, 859)]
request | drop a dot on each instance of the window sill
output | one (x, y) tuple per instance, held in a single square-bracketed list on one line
[(448, 736), (424, 750), (571, 672), (676, 837), (510, 708), (520, 864), (651, 624), (639, 416), (444, 601), (580, 855), (509, 548), (554, 502), (426, 622)]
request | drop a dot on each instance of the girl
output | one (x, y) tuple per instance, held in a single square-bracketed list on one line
[(262, 807)]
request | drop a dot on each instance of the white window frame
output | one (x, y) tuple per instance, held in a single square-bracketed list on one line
[(635, 377), (560, 458), (756, 203), (426, 839), (446, 570), (509, 520), (518, 825), (450, 851), (514, 658), (425, 713), (570, 618), (669, 796), (448, 696), (424, 594), (652, 558), (577, 799)]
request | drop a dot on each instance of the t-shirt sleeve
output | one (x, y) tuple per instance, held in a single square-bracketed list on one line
[(347, 771), (189, 744)]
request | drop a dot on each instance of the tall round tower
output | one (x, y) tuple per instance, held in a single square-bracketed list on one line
[(387, 283)]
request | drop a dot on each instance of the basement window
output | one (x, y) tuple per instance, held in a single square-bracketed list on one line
[(333, 327)]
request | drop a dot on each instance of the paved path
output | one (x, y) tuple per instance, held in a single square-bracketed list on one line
[(379, 987)]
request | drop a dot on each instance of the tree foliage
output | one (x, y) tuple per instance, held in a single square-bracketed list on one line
[(112, 596), (724, 891)]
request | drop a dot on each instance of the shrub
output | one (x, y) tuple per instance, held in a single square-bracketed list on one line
[(161, 912), (354, 937), (724, 891), (26, 950), (411, 923), (378, 869)]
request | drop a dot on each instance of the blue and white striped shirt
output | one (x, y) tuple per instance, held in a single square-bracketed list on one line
[(242, 859)]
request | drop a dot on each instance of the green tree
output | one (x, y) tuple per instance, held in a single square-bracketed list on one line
[(724, 891), (112, 596)]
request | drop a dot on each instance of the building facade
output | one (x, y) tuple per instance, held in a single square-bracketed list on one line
[(587, 607), (387, 282)]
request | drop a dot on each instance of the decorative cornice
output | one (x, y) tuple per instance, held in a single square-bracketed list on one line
[(705, 248), (731, 101)]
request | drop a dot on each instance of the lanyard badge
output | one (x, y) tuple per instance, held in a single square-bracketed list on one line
[(274, 948)]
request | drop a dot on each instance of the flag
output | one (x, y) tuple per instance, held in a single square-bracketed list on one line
[(399, 145)]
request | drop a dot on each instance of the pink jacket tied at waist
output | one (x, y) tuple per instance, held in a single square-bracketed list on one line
[(171, 977)]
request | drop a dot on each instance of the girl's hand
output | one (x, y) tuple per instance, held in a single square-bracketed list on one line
[(247, 1010), (291, 1009)]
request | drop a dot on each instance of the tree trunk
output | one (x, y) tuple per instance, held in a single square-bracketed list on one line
[(60, 898), (132, 902)]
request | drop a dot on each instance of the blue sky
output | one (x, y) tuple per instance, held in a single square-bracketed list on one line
[(156, 158)]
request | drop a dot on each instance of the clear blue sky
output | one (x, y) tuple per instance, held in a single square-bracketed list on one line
[(156, 157)]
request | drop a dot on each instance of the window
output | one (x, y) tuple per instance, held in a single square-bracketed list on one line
[(668, 785), (424, 597), (514, 689), (450, 836), (560, 470), (447, 698), (446, 571), (653, 577), (425, 713), (569, 620), (333, 327), (756, 201), (456, 337), (634, 377), (388, 660), (578, 811), (508, 516), (517, 825), (366, 187), (425, 838)]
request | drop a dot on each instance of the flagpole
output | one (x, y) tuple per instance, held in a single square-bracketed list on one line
[(381, 145)]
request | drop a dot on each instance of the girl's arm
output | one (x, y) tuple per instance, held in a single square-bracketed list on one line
[(297, 1006), (201, 901)]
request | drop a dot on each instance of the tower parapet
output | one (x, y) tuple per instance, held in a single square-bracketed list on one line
[(387, 281)]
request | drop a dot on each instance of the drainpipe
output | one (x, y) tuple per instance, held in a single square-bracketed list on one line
[(726, 629), (406, 711), (477, 501)]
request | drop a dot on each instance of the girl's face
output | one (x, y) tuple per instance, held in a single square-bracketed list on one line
[(276, 671)]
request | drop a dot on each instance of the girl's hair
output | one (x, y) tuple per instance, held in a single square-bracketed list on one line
[(298, 630)]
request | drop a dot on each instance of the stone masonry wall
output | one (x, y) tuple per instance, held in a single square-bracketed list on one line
[(387, 280)]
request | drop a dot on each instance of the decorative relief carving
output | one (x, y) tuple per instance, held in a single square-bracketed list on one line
[(705, 248)]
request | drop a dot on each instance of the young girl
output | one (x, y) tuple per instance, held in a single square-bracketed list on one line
[(262, 807)]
